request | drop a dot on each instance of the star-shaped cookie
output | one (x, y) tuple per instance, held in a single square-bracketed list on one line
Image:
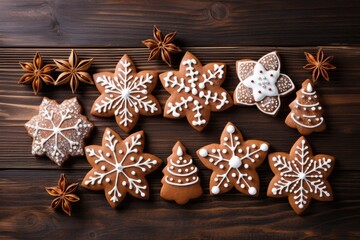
[(300, 175), (234, 162), (261, 83), (126, 94), (195, 91), (119, 166), (59, 130)]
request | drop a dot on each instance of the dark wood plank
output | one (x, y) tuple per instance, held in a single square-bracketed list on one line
[(25, 212), (340, 99), (198, 23)]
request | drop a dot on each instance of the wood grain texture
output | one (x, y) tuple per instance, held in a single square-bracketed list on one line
[(231, 215), (198, 23), (223, 31)]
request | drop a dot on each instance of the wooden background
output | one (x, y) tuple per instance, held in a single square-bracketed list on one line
[(214, 31)]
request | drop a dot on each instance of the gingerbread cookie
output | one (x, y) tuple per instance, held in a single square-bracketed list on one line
[(59, 130), (306, 111), (300, 175), (181, 181), (262, 84), (119, 166), (126, 94), (234, 162), (195, 91)]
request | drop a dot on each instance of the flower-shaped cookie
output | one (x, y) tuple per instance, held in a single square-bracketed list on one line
[(195, 91), (300, 175), (234, 162), (59, 130), (119, 166), (126, 94), (261, 83)]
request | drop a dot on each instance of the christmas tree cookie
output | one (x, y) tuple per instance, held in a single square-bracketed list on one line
[(300, 175), (119, 167), (195, 91), (261, 83), (234, 162), (306, 111), (180, 182)]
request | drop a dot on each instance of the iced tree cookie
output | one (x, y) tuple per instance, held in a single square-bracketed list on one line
[(306, 111), (234, 162), (119, 166), (195, 91), (181, 181), (59, 130), (126, 94), (300, 175), (262, 84)]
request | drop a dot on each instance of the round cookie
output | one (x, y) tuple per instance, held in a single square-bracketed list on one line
[(234, 162), (59, 130), (300, 175), (119, 166), (262, 84), (126, 94), (181, 181), (195, 91)]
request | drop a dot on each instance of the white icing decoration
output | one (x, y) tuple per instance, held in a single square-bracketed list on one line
[(301, 176), (66, 133), (117, 166), (203, 152), (233, 163), (307, 126), (309, 88), (124, 94), (196, 83), (179, 151)]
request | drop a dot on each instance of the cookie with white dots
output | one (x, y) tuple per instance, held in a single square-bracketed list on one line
[(234, 162)]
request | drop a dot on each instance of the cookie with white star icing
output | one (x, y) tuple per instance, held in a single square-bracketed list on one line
[(59, 130), (195, 91), (262, 84), (300, 175), (234, 162), (119, 167), (126, 94)]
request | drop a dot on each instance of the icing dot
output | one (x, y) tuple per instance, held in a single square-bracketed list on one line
[(226, 185), (252, 191), (240, 150), (246, 165), (233, 174), (179, 181), (180, 158), (132, 158), (211, 160), (203, 152), (253, 146), (301, 205), (187, 180), (216, 179), (142, 194), (124, 183), (226, 139), (213, 150), (186, 170), (230, 129), (221, 166), (172, 167), (215, 190), (103, 168), (256, 155), (224, 151), (192, 168), (242, 185), (120, 151), (178, 161), (236, 138), (154, 162), (273, 190), (107, 180), (133, 172), (264, 147), (179, 170), (193, 178), (249, 178), (171, 179)]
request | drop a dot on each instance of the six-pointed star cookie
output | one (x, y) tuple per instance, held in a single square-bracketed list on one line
[(261, 83), (126, 94), (300, 175), (195, 91), (234, 162), (119, 166), (59, 130)]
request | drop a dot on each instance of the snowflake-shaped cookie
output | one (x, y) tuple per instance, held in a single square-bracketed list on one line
[(261, 83), (234, 162), (126, 94), (195, 91), (120, 166), (301, 176), (59, 130)]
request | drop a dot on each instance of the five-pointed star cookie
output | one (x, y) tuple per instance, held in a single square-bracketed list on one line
[(119, 166), (126, 94), (234, 162), (59, 130), (300, 175), (195, 91), (261, 83)]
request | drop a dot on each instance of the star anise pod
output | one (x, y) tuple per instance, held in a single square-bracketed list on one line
[(37, 73), (161, 46), (64, 194), (319, 65), (73, 71)]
